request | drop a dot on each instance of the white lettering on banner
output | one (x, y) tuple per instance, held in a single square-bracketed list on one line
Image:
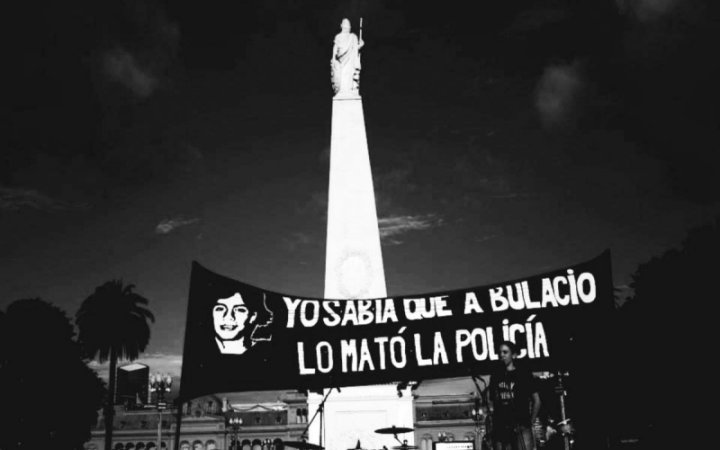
[(334, 313), (557, 291), (422, 308), (382, 352), (471, 304)]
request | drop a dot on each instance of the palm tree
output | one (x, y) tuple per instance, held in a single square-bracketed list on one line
[(113, 323)]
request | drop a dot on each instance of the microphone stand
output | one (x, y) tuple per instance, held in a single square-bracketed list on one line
[(321, 411), (482, 394), (561, 392)]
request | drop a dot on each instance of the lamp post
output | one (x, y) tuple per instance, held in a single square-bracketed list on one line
[(442, 436), (478, 417), (160, 384), (235, 422), (268, 444)]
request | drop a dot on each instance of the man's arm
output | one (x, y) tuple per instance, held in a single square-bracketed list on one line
[(535, 406)]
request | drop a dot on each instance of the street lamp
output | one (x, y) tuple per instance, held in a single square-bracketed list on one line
[(442, 436), (268, 444), (235, 421), (160, 384), (478, 416)]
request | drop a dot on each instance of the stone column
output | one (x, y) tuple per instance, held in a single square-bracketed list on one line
[(354, 269)]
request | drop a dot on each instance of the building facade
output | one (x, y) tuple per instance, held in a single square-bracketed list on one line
[(443, 411), (205, 425)]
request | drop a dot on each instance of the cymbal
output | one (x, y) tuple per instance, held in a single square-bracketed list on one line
[(393, 430), (302, 445)]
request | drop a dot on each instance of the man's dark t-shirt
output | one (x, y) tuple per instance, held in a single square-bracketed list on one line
[(510, 392)]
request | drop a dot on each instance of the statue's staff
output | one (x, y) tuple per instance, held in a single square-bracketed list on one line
[(360, 32)]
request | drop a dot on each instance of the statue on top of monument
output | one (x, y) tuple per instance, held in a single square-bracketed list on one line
[(345, 62)]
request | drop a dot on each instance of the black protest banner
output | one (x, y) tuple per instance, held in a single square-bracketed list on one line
[(240, 337)]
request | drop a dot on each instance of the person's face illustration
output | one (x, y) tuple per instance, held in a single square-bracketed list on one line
[(506, 355), (230, 316), (345, 25)]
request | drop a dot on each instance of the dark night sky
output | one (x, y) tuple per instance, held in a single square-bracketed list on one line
[(507, 139)]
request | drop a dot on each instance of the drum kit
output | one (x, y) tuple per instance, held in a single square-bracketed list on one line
[(304, 445)]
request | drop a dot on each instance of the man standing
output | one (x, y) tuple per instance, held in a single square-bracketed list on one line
[(514, 403)]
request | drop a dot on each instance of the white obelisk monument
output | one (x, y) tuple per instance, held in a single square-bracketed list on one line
[(354, 264)]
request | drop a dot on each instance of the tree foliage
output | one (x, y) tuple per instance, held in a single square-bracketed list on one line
[(114, 317), (50, 396), (113, 324), (663, 333)]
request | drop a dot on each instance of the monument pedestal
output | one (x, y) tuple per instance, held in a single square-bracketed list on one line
[(354, 269), (353, 260), (356, 412)]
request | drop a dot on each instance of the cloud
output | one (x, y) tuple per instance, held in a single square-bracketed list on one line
[(557, 94), (15, 199), (121, 66), (391, 227), (646, 10), (486, 237), (534, 19), (316, 205), (167, 225), (140, 58), (157, 362), (298, 239)]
